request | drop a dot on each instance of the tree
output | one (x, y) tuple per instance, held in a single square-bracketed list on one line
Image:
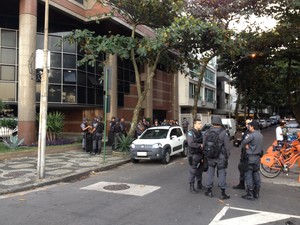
[(177, 40)]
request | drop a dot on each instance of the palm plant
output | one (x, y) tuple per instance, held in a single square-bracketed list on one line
[(124, 143), (55, 124)]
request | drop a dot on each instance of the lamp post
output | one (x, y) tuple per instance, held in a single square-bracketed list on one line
[(253, 55)]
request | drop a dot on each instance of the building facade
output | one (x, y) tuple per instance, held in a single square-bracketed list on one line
[(75, 90)]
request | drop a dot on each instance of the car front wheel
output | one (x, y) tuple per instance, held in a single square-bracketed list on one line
[(166, 157), (133, 160)]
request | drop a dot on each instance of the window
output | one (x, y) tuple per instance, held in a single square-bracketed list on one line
[(209, 77), (69, 94), (55, 76), (8, 91), (8, 38), (54, 93), (209, 95), (7, 73), (79, 1), (69, 77), (8, 56), (192, 90)]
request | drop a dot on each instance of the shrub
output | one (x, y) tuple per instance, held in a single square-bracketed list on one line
[(13, 141), (124, 143)]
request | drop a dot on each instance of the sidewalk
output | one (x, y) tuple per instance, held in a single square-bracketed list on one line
[(20, 174)]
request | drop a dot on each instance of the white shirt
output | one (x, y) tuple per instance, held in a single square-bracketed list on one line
[(279, 135)]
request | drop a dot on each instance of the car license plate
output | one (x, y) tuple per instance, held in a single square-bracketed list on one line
[(141, 153)]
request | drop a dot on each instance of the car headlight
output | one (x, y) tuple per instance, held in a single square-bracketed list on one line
[(156, 145), (132, 145)]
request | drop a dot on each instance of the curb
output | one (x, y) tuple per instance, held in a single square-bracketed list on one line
[(67, 178)]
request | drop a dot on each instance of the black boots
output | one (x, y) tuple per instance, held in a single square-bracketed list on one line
[(224, 195), (241, 185), (209, 193), (199, 185), (256, 192), (249, 195), (192, 188)]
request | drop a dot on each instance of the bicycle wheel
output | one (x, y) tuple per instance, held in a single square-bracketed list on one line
[(269, 172)]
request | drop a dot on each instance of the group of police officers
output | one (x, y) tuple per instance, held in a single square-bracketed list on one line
[(251, 148)]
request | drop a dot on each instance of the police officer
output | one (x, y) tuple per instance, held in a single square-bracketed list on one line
[(221, 161), (97, 132), (85, 129), (243, 166), (195, 158), (253, 145)]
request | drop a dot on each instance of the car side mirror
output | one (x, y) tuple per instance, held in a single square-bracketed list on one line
[(173, 137)]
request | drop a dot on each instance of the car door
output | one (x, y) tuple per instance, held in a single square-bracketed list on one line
[(176, 137)]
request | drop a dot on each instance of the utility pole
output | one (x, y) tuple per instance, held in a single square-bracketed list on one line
[(43, 102)]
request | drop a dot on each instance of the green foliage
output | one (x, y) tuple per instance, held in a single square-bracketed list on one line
[(55, 124), (8, 122), (13, 142), (124, 143)]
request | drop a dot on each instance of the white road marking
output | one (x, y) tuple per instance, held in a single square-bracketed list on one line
[(135, 189), (258, 217)]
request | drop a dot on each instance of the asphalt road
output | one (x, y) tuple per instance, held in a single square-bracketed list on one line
[(151, 193)]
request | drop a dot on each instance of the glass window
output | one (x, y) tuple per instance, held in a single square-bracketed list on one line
[(69, 61), (8, 91), (81, 78), (81, 95), (54, 43), (99, 96), (8, 38), (69, 77), (91, 96), (209, 77), (55, 60), (7, 73), (69, 48), (209, 95), (8, 56), (69, 94), (40, 41), (79, 1), (55, 76), (54, 93)]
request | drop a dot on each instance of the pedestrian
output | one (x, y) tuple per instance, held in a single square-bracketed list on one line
[(156, 123), (112, 123), (216, 148), (243, 165), (117, 131), (196, 157), (185, 125), (123, 126), (85, 129), (139, 128), (97, 131), (280, 132), (145, 123), (253, 144)]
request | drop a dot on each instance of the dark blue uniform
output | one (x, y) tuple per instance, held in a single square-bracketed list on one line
[(195, 140)]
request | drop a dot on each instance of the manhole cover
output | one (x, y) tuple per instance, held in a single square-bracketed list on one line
[(116, 187)]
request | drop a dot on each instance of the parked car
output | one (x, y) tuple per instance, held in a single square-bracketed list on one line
[(159, 143), (262, 123)]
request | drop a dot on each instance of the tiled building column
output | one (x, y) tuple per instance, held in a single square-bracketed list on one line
[(26, 85), (112, 62)]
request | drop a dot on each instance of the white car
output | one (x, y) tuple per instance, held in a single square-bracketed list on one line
[(159, 143)]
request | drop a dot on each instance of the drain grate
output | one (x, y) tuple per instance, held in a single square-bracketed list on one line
[(116, 187)]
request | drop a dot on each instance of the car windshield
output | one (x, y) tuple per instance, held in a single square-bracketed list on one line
[(155, 134)]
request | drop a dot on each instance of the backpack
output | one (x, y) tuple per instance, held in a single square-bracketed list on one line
[(213, 144)]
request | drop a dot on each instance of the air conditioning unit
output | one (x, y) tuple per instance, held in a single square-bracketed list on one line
[(203, 103)]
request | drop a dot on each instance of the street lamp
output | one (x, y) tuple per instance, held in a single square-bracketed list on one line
[(252, 55)]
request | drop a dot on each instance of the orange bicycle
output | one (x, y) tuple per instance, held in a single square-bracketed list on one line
[(280, 158)]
